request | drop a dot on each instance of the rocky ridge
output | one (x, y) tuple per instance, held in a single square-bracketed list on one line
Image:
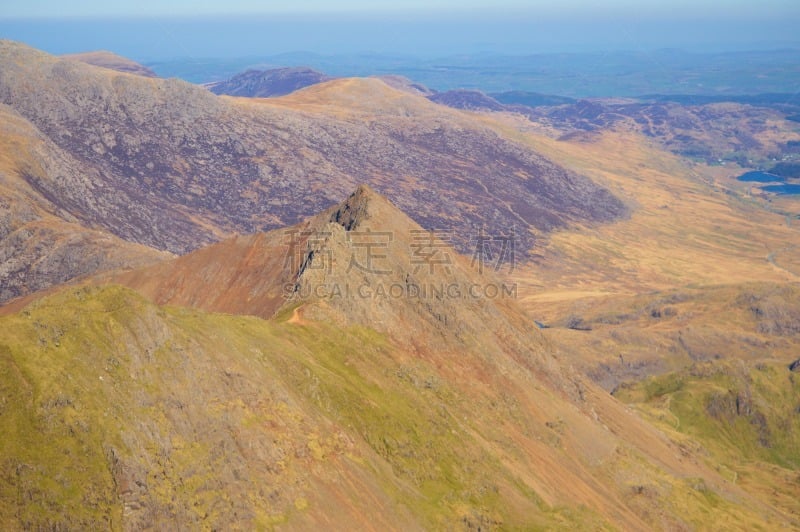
[(169, 165)]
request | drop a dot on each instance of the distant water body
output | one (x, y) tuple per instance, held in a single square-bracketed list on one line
[(782, 189), (761, 177)]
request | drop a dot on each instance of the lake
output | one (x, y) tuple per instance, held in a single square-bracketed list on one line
[(784, 190), (761, 177)]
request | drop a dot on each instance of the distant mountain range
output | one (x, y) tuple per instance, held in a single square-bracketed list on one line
[(630, 74), (169, 165), (689, 125), (209, 167), (266, 83)]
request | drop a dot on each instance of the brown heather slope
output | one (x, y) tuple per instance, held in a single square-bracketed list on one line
[(666, 286), (42, 244), (550, 448), (240, 275), (713, 132), (354, 255), (689, 304), (112, 61), (170, 165)]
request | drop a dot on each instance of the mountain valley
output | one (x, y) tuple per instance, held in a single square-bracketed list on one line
[(350, 306), (179, 167)]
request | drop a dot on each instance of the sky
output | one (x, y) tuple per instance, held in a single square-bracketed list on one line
[(145, 8), (159, 29)]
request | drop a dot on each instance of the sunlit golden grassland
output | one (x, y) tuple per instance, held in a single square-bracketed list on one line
[(691, 228), (687, 228), (689, 309)]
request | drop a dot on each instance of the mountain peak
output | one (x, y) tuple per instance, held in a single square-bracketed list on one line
[(361, 262), (354, 209)]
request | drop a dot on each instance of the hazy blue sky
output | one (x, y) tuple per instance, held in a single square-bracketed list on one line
[(157, 29), (724, 8)]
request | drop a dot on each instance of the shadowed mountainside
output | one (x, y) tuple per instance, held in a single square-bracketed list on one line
[(172, 166), (723, 131), (266, 83), (41, 242), (747, 130)]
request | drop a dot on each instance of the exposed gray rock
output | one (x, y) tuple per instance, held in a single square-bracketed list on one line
[(172, 166)]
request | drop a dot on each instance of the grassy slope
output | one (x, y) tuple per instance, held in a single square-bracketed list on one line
[(121, 413), (172, 395), (219, 420), (656, 332), (686, 228), (741, 417)]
